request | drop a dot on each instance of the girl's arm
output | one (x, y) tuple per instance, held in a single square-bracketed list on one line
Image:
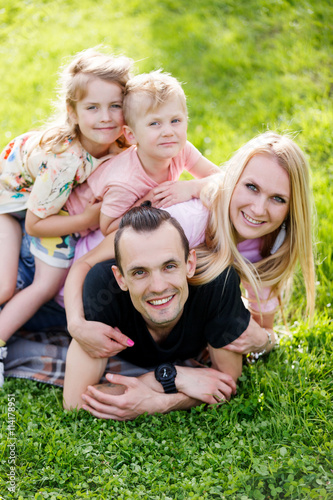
[(173, 192), (60, 225)]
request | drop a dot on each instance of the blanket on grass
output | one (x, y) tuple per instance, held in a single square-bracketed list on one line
[(41, 356)]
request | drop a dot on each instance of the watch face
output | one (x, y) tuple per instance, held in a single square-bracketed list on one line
[(166, 374), (166, 371)]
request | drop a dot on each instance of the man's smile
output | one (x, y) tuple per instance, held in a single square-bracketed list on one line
[(159, 302)]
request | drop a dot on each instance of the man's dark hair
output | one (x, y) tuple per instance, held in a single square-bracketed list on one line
[(146, 218)]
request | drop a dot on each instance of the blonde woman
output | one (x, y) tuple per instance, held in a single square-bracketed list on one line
[(260, 219)]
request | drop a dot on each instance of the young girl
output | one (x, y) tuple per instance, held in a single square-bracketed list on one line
[(37, 173)]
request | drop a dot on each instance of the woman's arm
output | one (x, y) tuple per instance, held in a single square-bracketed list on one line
[(97, 339), (256, 338)]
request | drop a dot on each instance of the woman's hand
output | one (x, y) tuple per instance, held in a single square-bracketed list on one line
[(254, 339), (99, 340)]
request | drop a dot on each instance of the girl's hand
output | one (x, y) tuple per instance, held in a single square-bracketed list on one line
[(172, 192)]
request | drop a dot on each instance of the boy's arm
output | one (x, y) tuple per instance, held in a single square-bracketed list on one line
[(204, 168), (110, 224), (60, 225), (173, 192)]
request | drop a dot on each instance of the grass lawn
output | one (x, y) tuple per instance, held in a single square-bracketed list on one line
[(247, 65)]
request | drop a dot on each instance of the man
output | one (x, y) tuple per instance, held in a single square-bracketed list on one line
[(149, 300)]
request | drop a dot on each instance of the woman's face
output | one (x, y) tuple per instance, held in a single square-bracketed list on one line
[(260, 201)]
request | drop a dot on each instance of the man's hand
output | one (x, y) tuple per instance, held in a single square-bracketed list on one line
[(206, 384), (126, 400), (128, 397), (100, 340)]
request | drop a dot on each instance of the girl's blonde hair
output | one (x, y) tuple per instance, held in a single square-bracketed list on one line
[(73, 81), (220, 249)]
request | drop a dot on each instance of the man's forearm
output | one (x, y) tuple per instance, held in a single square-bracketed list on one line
[(168, 402), (179, 401), (134, 398)]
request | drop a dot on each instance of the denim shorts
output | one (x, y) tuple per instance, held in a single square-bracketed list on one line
[(26, 268), (50, 314)]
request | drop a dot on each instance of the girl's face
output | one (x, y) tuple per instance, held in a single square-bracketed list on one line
[(99, 116), (261, 198)]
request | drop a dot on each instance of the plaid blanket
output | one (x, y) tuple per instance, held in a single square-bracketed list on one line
[(41, 356)]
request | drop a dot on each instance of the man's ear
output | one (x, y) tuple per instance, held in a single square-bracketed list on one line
[(129, 135), (191, 263), (119, 278), (72, 114)]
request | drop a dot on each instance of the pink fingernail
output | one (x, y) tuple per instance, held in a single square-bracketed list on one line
[(130, 343)]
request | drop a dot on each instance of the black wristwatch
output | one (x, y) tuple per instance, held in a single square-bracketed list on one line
[(166, 374)]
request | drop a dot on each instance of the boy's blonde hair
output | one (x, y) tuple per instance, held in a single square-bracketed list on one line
[(147, 91), (73, 81), (220, 250)]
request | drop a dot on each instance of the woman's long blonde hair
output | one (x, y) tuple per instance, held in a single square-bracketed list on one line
[(72, 87), (220, 249)]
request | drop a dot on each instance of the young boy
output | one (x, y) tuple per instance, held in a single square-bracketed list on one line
[(155, 114)]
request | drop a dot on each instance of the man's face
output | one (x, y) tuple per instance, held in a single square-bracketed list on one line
[(155, 274)]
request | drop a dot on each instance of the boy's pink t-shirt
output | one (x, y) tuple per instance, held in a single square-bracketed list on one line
[(121, 181)]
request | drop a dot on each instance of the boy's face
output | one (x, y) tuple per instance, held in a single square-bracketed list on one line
[(160, 134)]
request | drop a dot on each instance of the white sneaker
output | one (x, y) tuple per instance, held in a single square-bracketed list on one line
[(3, 354)]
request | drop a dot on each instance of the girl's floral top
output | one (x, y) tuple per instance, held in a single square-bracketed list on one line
[(38, 180)]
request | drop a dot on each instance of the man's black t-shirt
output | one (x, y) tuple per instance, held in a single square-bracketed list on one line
[(213, 314)]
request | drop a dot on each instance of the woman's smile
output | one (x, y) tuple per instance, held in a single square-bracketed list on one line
[(260, 201)]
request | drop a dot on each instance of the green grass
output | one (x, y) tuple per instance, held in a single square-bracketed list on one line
[(246, 66)]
